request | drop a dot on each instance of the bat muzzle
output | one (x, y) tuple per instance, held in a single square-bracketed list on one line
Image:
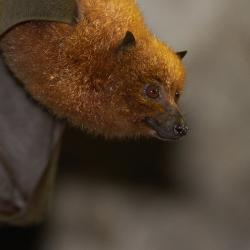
[(167, 126)]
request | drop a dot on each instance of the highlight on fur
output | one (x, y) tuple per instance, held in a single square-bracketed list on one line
[(95, 72)]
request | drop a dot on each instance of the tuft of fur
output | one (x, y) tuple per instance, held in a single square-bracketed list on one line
[(77, 73)]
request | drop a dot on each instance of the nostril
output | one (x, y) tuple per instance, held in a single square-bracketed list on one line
[(180, 130)]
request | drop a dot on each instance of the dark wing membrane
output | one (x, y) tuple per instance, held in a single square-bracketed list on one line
[(13, 12), (29, 141), (29, 136)]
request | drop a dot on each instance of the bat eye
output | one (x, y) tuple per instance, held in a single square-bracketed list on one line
[(177, 95), (152, 91)]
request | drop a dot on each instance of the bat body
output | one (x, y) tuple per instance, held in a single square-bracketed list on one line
[(107, 73)]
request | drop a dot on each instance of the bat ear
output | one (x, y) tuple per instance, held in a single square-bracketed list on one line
[(181, 54), (127, 42)]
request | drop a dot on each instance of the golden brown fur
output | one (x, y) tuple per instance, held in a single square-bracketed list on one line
[(77, 73)]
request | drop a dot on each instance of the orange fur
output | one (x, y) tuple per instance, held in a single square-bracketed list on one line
[(76, 73)]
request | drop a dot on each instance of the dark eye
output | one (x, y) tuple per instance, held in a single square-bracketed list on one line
[(177, 95), (152, 91)]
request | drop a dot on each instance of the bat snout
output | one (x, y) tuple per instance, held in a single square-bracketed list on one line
[(180, 130), (168, 126)]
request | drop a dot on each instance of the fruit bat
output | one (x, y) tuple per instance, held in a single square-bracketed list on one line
[(105, 72)]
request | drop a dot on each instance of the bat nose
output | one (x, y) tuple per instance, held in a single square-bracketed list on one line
[(180, 130)]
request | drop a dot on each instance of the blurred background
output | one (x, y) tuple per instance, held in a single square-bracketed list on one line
[(150, 195)]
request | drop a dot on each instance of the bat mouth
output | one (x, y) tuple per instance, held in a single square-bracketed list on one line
[(164, 131), (161, 137)]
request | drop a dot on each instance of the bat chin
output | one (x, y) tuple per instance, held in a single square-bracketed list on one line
[(161, 137)]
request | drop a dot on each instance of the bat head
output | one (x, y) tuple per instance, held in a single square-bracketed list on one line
[(144, 86)]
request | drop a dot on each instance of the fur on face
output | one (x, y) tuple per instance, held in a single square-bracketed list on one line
[(96, 73)]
